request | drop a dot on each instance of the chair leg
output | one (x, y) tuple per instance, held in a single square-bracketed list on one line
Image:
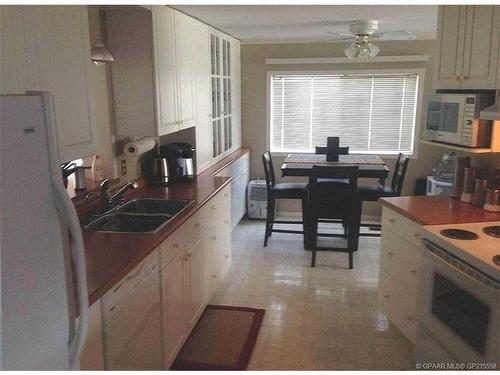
[(269, 220), (351, 260), (306, 225), (314, 241)]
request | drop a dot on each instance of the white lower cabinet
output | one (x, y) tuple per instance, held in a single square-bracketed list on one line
[(174, 307), (148, 315), (92, 356), (400, 261), (132, 320)]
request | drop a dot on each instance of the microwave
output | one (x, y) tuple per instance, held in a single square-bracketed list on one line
[(454, 119)]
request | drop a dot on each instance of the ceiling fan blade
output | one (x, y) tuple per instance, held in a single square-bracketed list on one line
[(394, 35), (341, 36)]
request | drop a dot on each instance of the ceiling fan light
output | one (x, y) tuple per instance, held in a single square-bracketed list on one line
[(374, 50), (352, 51)]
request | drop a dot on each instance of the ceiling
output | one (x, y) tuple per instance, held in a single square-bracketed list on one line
[(309, 23)]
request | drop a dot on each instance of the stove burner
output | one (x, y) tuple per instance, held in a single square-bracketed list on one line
[(459, 234), (494, 231), (496, 259)]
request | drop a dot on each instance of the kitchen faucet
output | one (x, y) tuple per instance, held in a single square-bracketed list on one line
[(108, 200)]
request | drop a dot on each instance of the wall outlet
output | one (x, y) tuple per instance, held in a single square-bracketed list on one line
[(124, 167)]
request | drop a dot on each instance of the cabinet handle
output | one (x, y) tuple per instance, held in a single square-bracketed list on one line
[(391, 220), (175, 245), (213, 207), (457, 78), (227, 256), (226, 221), (413, 271), (464, 78), (417, 235), (213, 237), (214, 276), (390, 253), (196, 225), (189, 256), (410, 318), (388, 296), (226, 195), (117, 288), (131, 277)]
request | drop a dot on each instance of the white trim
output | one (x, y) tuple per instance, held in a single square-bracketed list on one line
[(345, 60), (418, 110)]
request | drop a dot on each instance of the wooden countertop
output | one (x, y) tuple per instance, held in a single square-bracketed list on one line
[(436, 210), (110, 256)]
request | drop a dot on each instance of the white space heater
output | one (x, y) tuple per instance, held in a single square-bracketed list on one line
[(257, 199)]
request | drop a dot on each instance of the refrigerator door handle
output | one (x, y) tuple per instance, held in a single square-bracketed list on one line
[(66, 210)]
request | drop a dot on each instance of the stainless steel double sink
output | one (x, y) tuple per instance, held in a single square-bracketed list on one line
[(145, 215)]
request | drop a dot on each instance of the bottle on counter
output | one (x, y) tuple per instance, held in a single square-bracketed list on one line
[(98, 169)]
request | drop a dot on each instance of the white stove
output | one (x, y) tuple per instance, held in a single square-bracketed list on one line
[(459, 296), (479, 249)]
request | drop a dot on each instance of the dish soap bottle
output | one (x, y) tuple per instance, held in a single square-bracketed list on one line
[(98, 169)]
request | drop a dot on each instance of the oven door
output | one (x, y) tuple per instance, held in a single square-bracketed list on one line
[(445, 118), (459, 307)]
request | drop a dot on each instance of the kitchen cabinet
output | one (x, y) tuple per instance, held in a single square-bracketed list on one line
[(225, 88), (132, 319), (47, 48), (239, 170), (153, 73), (467, 54), (92, 356), (400, 267), (189, 258)]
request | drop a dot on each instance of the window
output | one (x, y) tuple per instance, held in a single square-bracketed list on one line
[(371, 113)]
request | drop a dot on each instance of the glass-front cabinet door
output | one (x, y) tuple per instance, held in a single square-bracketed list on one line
[(220, 56)]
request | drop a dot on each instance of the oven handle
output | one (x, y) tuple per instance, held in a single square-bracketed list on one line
[(460, 264)]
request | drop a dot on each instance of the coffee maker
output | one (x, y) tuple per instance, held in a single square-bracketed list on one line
[(180, 159)]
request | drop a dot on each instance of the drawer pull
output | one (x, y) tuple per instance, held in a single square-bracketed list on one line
[(131, 277), (227, 256), (196, 225), (175, 245), (213, 207), (189, 256), (226, 195), (226, 221), (118, 287), (390, 253), (214, 276), (213, 237), (410, 318), (413, 271), (391, 220), (388, 296), (417, 235)]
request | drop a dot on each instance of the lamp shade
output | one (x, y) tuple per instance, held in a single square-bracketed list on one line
[(100, 54)]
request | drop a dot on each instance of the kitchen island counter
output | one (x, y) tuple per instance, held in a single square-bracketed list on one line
[(436, 210)]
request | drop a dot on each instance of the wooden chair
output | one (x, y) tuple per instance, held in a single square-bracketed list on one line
[(371, 193), (281, 191), (334, 200)]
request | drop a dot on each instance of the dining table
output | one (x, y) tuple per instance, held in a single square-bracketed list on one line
[(370, 166)]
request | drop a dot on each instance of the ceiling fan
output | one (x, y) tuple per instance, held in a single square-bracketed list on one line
[(363, 33)]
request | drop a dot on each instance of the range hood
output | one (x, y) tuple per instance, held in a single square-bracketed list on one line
[(491, 113)]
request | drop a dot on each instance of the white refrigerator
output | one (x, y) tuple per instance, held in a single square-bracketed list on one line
[(43, 275)]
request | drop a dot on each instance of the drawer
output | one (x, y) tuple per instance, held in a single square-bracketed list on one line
[(402, 226), (214, 205), (126, 285), (399, 305), (191, 226), (179, 241), (401, 260)]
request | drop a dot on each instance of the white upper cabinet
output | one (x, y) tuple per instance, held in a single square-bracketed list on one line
[(468, 47), (236, 93), (47, 48), (153, 74)]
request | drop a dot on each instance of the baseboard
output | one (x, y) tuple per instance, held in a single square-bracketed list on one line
[(365, 218)]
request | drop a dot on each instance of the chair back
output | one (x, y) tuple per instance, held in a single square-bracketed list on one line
[(268, 170), (321, 150), (399, 174), (333, 191)]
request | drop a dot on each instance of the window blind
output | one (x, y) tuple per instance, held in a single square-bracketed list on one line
[(371, 113)]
